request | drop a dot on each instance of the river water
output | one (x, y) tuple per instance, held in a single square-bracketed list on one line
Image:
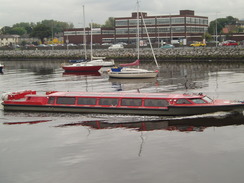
[(54, 147)]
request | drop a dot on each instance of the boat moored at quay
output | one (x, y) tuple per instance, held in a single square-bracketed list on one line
[(159, 104)]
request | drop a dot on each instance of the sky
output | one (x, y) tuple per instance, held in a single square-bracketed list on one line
[(98, 11)]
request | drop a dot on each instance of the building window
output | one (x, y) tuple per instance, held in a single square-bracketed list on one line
[(149, 30), (149, 21), (132, 22), (107, 31), (162, 21), (122, 31), (163, 29), (121, 22), (178, 21), (196, 29), (132, 30), (178, 29)]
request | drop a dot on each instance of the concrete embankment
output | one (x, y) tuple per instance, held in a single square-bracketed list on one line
[(176, 54)]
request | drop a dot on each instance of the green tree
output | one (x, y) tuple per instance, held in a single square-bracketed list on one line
[(57, 26), (95, 25), (109, 23), (207, 36), (5, 30), (41, 31), (27, 26), (17, 30), (221, 23)]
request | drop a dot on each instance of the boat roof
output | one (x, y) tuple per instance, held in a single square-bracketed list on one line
[(127, 95)]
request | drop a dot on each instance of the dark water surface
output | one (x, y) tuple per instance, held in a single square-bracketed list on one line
[(72, 148)]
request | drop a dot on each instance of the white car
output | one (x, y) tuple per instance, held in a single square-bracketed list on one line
[(116, 46)]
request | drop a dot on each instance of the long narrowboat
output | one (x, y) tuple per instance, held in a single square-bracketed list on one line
[(159, 104)]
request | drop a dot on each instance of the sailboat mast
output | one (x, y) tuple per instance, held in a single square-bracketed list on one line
[(138, 32), (150, 43), (84, 32), (91, 41)]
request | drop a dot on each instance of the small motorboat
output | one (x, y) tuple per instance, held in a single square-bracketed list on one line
[(158, 104)]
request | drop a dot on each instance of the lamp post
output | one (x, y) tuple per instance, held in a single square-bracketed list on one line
[(216, 34)]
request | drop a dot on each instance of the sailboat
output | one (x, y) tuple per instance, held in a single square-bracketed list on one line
[(85, 66), (125, 71), (99, 60)]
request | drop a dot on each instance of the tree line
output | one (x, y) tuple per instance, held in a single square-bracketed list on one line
[(45, 28), (48, 28)]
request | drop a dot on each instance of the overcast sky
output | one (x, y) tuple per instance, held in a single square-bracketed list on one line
[(98, 11)]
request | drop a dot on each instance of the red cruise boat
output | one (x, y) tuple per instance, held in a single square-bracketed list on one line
[(159, 104)]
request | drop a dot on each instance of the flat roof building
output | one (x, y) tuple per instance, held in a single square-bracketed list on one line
[(165, 28)]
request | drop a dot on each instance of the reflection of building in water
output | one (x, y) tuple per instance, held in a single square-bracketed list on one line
[(38, 67), (192, 75)]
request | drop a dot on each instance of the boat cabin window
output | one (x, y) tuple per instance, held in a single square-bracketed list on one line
[(51, 100), (87, 101), (66, 100), (198, 101), (182, 101), (131, 102), (156, 103), (209, 100), (108, 101)]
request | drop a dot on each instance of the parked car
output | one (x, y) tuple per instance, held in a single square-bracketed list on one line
[(30, 46), (42, 45), (116, 46), (71, 44), (197, 44), (167, 46), (229, 43), (105, 44)]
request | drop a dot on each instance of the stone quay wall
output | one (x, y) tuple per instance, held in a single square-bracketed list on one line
[(185, 53)]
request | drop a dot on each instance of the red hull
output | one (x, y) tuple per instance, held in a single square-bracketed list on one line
[(88, 73), (81, 68)]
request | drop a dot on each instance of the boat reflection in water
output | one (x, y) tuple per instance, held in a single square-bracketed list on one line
[(26, 122), (182, 125), (96, 73), (128, 84)]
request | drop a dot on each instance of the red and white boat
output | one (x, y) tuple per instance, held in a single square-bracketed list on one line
[(159, 104)]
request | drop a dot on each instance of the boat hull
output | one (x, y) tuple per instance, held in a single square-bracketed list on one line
[(81, 68), (166, 111), (133, 75)]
